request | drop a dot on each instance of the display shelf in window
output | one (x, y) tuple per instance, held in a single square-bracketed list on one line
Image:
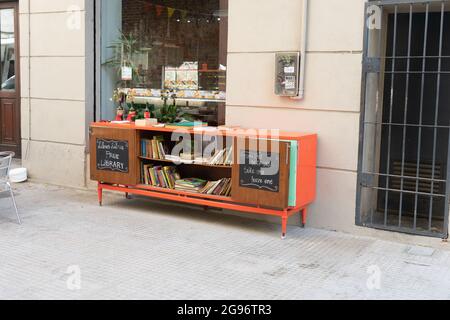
[(181, 95)]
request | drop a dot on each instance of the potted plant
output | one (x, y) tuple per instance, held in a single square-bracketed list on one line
[(170, 113), (124, 49)]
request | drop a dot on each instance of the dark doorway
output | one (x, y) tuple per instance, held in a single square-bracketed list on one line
[(403, 176), (418, 146), (10, 138)]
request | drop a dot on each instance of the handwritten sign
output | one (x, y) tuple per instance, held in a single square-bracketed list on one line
[(112, 155), (259, 170)]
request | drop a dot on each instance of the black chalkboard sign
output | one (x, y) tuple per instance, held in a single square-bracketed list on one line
[(112, 155), (259, 170)]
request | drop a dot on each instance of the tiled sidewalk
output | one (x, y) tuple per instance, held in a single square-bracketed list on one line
[(139, 249)]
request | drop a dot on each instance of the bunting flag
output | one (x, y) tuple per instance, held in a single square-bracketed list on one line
[(159, 10), (183, 14), (170, 12), (147, 7)]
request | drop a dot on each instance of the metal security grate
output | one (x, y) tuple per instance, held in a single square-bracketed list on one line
[(404, 147), (410, 181)]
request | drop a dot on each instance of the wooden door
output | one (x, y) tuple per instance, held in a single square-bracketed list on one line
[(10, 138), (261, 173), (114, 157)]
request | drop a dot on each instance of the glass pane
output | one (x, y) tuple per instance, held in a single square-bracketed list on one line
[(8, 54)]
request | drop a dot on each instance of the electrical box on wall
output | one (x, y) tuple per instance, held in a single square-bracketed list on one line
[(287, 75)]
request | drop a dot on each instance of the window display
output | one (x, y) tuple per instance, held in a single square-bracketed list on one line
[(175, 48)]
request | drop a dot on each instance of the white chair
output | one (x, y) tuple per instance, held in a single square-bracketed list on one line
[(5, 186)]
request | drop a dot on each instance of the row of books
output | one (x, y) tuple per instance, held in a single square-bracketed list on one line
[(159, 176), (154, 148), (221, 158), (218, 188), (221, 187)]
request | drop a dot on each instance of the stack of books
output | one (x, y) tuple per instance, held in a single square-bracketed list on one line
[(185, 125), (158, 176), (194, 185), (218, 188), (153, 149)]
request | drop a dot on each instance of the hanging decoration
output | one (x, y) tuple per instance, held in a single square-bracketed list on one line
[(159, 10), (147, 7), (180, 13), (170, 12)]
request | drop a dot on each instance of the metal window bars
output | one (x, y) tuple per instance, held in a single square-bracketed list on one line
[(403, 173)]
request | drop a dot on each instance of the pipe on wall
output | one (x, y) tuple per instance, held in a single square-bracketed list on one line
[(304, 41)]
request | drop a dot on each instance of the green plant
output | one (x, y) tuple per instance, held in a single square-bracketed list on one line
[(140, 110), (124, 48), (170, 113)]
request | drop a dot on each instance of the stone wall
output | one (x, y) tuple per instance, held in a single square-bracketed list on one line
[(331, 108), (52, 41)]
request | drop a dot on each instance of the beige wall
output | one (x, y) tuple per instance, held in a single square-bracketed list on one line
[(52, 60), (53, 85), (53, 91), (259, 29)]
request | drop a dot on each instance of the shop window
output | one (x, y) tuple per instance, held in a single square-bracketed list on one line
[(176, 48), (7, 63)]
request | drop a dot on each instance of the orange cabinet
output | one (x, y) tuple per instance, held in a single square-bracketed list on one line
[(269, 176)]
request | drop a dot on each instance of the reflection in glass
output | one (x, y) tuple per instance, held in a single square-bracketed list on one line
[(177, 45), (8, 55)]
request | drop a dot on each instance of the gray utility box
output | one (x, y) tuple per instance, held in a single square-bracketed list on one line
[(287, 74)]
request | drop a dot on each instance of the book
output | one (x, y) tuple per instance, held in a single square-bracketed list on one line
[(190, 185), (146, 174), (146, 122), (155, 149), (220, 158), (185, 125), (218, 188), (161, 179)]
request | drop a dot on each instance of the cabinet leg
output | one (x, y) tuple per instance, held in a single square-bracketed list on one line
[(100, 195), (127, 196), (284, 222), (304, 217)]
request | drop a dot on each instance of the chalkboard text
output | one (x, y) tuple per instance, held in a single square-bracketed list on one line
[(112, 155)]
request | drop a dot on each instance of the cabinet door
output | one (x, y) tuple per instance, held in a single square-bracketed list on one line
[(261, 173), (10, 131), (114, 156)]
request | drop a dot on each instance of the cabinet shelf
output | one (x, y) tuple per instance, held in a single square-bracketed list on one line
[(142, 98), (184, 193), (188, 164)]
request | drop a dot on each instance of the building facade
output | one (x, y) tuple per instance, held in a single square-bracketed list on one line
[(61, 90)]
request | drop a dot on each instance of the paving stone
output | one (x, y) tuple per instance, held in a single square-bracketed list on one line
[(142, 249), (421, 251)]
